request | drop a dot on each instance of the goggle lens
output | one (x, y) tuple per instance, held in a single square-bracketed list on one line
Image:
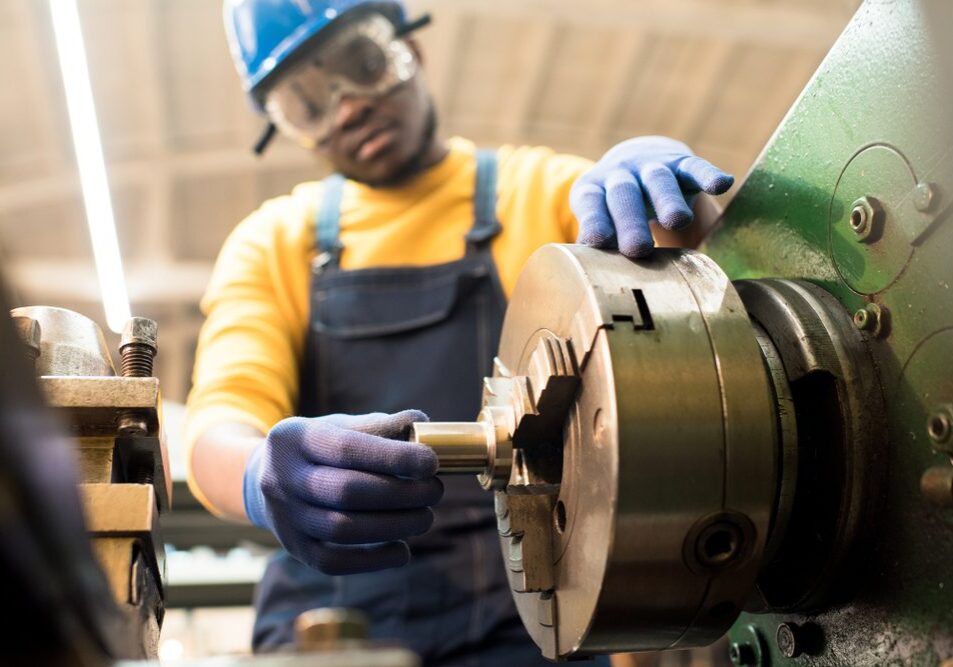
[(364, 58)]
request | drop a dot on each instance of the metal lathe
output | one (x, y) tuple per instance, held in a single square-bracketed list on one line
[(756, 439)]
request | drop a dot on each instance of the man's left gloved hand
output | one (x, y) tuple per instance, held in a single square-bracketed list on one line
[(637, 181)]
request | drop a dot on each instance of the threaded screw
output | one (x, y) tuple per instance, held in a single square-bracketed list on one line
[(741, 654), (138, 347), (137, 350)]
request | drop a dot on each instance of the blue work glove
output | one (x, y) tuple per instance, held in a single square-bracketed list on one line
[(637, 181), (342, 492)]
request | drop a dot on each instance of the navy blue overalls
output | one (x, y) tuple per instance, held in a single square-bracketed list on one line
[(389, 339)]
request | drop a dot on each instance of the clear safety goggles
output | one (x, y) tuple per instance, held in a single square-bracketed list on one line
[(364, 57)]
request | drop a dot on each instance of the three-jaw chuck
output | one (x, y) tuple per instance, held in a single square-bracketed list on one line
[(656, 438)]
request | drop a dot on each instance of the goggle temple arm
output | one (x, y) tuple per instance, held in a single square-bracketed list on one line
[(267, 135), (269, 132), (413, 26)]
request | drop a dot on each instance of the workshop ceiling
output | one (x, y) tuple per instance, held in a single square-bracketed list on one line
[(577, 75)]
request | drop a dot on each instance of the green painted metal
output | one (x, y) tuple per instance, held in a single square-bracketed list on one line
[(875, 122)]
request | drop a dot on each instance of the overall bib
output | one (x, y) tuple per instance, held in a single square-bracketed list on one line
[(385, 340)]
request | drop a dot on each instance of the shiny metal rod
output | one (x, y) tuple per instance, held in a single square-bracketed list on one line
[(461, 447)]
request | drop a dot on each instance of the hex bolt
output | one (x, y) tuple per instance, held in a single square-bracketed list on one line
[(137, 349), (866, 219), (787, 640), (924, 196), (862, 320), (742, 653), (859, 219), (872, 318)]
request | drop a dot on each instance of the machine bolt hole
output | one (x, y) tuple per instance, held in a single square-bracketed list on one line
[(939, 427), (559, 515), (720, 546), (717, 542), (857, 219)]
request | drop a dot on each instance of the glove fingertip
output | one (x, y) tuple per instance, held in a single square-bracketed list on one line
[(594, 237), (436, 492), (410, 416), (638, 249), (719, 184), (426, 522), (425, 463), (676, 219)]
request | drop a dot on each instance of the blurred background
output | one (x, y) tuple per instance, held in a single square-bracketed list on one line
[(177, 131)]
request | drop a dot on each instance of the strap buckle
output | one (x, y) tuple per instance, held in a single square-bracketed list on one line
[(321, 261)]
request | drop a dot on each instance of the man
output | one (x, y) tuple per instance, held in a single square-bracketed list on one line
[(380, 293)]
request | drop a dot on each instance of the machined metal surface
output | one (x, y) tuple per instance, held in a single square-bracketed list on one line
[(61, 609), (124, 510), (92, 408), (329, 628), (96, 401), (123, 466), (137, 592), (660, 520), (838, 408), (29, 333), (682, 448), (70, 344), (462, 448), (624, 525)]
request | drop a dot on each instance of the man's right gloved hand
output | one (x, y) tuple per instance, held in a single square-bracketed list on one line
[(342, 492)]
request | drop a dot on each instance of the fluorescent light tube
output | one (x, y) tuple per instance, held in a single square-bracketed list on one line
[(89, 158)]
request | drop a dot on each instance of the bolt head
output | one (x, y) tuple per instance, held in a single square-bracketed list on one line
[(924, 197), (873, 319), (862, 319), (866, 219), (139, 330), (741, 654), (859, 219), (786, 638)]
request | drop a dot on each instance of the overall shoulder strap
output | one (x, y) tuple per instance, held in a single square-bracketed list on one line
[(485, 225), (327, 218)]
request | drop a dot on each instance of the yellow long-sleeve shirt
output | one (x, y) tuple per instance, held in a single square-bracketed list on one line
[(257, 303)]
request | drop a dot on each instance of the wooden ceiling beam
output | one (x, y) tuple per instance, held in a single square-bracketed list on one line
[(142, 172), (768, 24)]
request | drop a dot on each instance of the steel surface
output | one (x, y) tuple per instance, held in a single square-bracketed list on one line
[(641, 486), (70, 344)]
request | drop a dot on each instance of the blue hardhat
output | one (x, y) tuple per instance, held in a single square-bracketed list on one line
[(264, 34)]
